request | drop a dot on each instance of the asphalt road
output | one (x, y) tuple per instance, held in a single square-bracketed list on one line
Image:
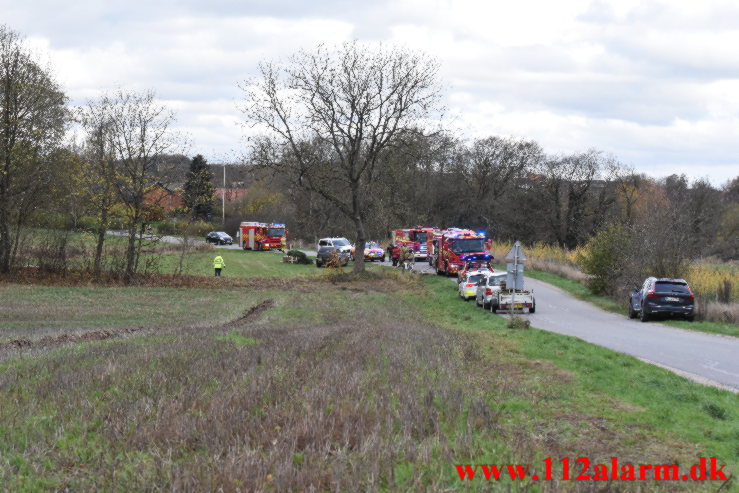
[(707, 358)]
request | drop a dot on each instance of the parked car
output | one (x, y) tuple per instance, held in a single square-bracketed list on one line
[(487, 288), (372, 252), (342, 244), (662, 296), (219, 238), (324, 254), (468, 284)]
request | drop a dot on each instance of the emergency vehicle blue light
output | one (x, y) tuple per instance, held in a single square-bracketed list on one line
[(481, 232)]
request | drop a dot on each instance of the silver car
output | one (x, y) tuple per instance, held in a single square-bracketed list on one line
[(468, 284), (342, 244), (487, 289)]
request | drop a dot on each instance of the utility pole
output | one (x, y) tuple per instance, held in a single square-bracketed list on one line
[(515, 257), (515, 273), (223, 198)]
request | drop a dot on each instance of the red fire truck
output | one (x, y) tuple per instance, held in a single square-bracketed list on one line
[(452, 247), (263, 236), (418, 239)]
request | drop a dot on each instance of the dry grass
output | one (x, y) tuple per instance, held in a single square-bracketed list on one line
[(332, 407), (712, 281), (720, 312), (568, 271), (546, 258)]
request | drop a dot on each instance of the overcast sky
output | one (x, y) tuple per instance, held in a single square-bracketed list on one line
[(656, 84)]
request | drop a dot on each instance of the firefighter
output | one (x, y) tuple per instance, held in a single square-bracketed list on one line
[(406, 255), (393, 252), (218, 264)]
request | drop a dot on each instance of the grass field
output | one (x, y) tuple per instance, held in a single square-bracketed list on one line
[(29, 311), (580, 291), (241, 263), (382, 382)]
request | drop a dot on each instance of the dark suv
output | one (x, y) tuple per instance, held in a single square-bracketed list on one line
[(662, 297)]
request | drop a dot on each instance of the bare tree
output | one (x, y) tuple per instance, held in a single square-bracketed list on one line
[(568, 185), (33, 116), (140, 133), (331, 117), (492, 167), (99, 177)]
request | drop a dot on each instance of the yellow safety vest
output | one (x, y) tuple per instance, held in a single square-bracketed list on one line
[(218, 263)]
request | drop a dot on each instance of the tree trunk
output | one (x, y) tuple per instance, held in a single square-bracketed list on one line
[(101, 241), (4, 242), (131, 253), (142, 231), (359, 245)]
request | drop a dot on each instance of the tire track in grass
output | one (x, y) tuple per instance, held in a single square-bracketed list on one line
[(23, 343)]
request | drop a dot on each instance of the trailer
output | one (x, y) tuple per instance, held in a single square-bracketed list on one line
[(519, 300), (513, 296)]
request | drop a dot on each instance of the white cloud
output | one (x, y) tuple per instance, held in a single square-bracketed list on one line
[(655, 83)]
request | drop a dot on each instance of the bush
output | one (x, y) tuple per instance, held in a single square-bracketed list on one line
[(52, 253), (88, 223), (516, 322), (202, 228), (302, 257), (166, 227), (50, 220), (603, 257)]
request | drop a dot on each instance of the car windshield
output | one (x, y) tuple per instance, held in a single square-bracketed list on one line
[(370, 244), (496, 280), (476, 278), (275, 231), (341, 242), (468, 245), (421, 236), (221, 233), (671, 287)]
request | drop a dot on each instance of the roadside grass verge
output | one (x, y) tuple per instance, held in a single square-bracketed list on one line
[(582, 292), (634, 397)]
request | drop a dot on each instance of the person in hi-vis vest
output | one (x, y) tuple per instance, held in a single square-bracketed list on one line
[(218, 264)]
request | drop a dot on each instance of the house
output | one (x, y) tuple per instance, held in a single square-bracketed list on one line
[(168, 198), (231, 194)]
